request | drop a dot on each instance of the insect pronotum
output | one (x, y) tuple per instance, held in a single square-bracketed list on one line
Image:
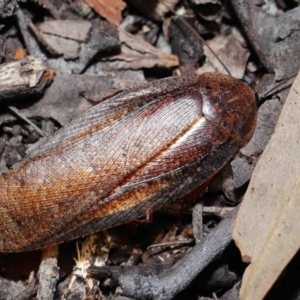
[(133, 152)]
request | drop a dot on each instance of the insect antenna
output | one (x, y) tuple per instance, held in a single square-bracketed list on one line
[(264, 95), (200, 37), (275, 89)]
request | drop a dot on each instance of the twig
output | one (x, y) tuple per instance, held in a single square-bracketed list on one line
[(48, 273), (16, 111), (198, 221), (178, 277), (169, 244)]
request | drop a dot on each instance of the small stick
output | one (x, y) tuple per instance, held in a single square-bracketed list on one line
[(48, 273), (16, 111), (198, 221), (184, 271), (168, 244), (275, 88)]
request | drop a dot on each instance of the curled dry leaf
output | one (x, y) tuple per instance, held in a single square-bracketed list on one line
[(267, 226), (137, 54)]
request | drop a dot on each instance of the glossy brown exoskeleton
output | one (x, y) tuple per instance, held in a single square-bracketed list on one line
[(136, 151)]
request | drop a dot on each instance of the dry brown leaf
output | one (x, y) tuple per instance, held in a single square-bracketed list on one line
[(70, 49), (66, 37), (77, 30), (286, 56), (110, 10), (231, 52), (137, 53), (267, 226)]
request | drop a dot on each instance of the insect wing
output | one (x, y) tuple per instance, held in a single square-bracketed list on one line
[(63, 181)]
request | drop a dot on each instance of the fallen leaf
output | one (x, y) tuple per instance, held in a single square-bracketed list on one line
[(230, 51), (137, 53), (66, 37), (110, 10), (102, 37), (267, 226), (286, 55), (267, 117), (62, 101), (77, 30)]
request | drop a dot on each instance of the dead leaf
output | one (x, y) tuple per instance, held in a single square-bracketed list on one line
[(185, 44), (75, 38), (230, 51), (287, 56), (267, 226), (243, 164), (69, 48), (66, 37), (110, 10), (103, 37), (137, 53), (62, 101), (77, 30)]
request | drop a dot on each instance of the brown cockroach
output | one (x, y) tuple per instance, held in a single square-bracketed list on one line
[(132, 153)]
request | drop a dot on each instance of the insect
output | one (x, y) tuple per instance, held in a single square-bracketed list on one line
[(132, 153)]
